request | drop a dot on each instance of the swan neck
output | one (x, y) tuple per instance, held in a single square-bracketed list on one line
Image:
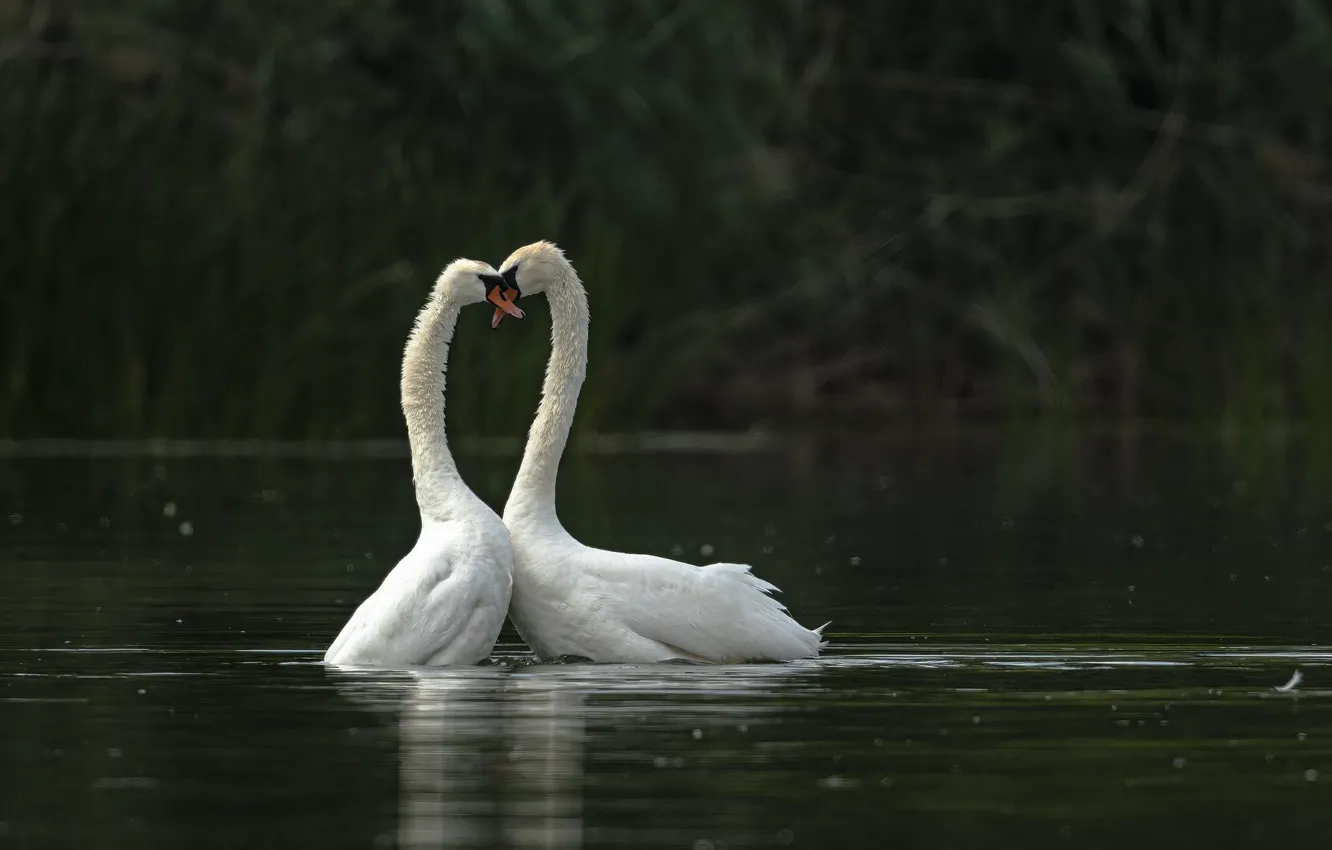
[(424, 362), (534, 488)]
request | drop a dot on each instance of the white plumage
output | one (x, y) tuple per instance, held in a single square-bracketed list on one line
[(444, 603), (573, 600)]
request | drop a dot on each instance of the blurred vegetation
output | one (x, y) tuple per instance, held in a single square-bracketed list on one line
[(219, 219)]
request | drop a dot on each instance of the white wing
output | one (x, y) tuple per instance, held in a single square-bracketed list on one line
[(720, 612), (437, 606)]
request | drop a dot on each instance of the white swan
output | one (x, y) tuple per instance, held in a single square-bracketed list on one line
[(444, 603), (573, 600)]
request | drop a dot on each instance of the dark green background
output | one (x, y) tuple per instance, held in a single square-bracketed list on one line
[(219, 219)]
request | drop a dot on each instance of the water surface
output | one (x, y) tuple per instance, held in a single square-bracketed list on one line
[(1035, 642)]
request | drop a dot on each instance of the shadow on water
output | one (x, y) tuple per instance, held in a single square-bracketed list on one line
[(1034, 644)]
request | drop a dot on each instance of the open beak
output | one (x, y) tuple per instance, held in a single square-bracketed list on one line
[(503, 300)]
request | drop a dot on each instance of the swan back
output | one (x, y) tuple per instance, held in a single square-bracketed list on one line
[(574, 600), (444, 603)]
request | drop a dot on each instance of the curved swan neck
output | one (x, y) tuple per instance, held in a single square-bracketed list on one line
[(424, 362), (534, 488)]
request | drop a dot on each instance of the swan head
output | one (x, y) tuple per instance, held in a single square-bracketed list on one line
[(472, 281), (530, 269)]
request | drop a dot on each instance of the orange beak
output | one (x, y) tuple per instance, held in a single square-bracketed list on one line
[(503, 301)]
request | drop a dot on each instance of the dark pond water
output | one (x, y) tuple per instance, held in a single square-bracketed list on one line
[(1036, 642)]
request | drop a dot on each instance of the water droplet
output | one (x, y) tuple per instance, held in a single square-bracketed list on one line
[(976, 719), (142, 691), (676, 550), (1311, 775), (16, 519), (169, 510), (114, 752), (1136, 540), (1179, 762), (697, 733), (704, 844), (186, 528), (1132, 587), (706, 550), (855, 560), (104, 522), (1300, 736), (767, 550), (784, 837)]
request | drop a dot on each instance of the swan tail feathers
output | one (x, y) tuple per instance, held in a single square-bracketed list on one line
[(744, 572), (823, 642)]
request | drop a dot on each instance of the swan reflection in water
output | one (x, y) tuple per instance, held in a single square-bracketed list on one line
[(494, 757), (487, 761)]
